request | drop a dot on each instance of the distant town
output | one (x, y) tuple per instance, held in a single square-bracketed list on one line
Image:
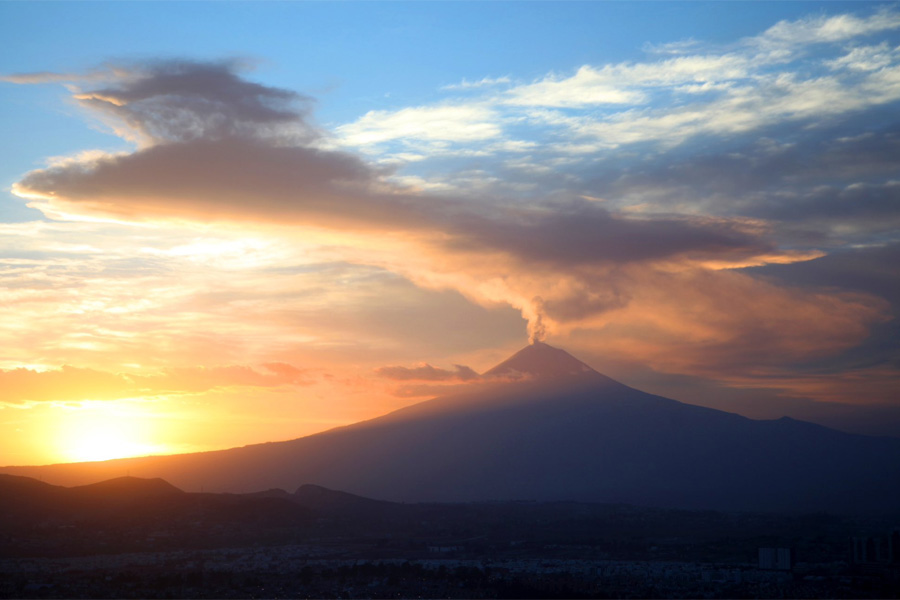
[(134, 538)]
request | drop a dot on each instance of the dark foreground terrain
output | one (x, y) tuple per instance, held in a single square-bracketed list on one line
[(145, 538)]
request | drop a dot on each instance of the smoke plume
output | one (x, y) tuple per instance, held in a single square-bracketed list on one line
[(536, 328)]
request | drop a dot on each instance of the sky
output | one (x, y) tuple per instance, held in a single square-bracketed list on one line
[(231, 223)]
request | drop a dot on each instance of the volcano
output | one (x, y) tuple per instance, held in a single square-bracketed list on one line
[(544, 426), (539, 361)]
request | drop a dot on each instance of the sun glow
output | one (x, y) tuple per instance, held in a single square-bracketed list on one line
[(96, 432)]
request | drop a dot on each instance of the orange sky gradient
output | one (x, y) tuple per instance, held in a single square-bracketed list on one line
[(718, 227)]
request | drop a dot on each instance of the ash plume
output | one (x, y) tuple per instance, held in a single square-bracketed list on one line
[(536, 328)]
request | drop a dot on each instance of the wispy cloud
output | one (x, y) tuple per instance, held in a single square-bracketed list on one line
[(748, 85), (452, 123), (672, 48), (826, 29), (426, 372), (483, 82)]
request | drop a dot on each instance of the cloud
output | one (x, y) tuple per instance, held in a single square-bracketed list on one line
[(450, 123), (210, 142), (72, 384), (658, 286), (739, 331), (826, 29), (145, 297), (858, 209), (426, 372), (483, 82), (823, 186), (229, 180), (870, 270), (95, 75), (40, 77), (586, 88), (693, 320), (696, 90), (741, 109), (671, 48), (581, 232), (206, 180), (865, 58), (627, 83), (179, 101), (244, 175)]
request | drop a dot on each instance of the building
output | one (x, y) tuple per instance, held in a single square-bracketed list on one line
[(877, 549), (776, 559)]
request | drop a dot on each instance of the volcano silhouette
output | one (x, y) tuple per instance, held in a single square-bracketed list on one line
[(539, 361), (544, 426)]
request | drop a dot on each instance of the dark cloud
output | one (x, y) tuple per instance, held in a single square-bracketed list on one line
[(858, 210), (872, 270), (213, 180), (235, 179), (580, 232), (426, 372), (216, 158), (839, 180), (179, 101)]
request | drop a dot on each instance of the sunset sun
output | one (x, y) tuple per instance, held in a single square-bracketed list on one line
[(102, 442), (98, 434)]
